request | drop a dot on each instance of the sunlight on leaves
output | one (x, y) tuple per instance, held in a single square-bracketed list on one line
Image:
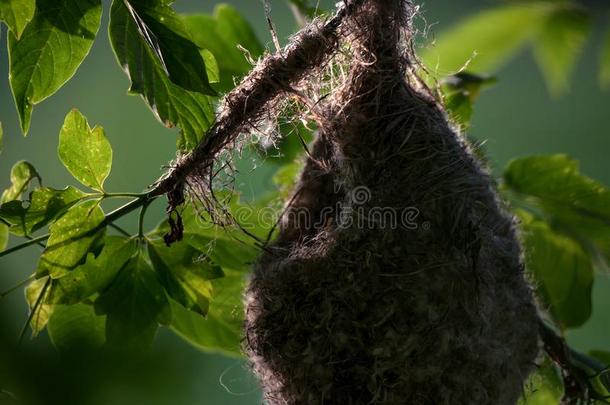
[(36, 294), (44, 205), (85, 152), (17, 14), (22, 174), (486, 40), (72, 237), (50, 50)]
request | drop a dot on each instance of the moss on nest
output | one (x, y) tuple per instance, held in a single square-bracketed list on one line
[(357, 311)]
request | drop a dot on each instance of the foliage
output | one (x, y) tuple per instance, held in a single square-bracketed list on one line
[(95, 282)]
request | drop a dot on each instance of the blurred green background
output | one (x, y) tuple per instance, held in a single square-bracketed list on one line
[(516, 116)]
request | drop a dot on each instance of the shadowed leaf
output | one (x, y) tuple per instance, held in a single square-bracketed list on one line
[(72, 327), (604, 60), (173, 105), (133, 305)]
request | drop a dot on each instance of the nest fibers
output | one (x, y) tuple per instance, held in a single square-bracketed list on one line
[(347, 307), (396, 277)]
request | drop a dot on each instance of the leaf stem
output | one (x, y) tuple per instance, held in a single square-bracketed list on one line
[(15, 287), (141, 219), (141, 200), (119, 229), (30, 242)]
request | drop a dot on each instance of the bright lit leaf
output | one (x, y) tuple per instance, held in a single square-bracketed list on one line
[(173, 105), (72, 237), (22, 174), (85, 152), (134, 305), (17, 14), (543, 387), (50, 50), (36, 294), (559, 45), (483, 42)]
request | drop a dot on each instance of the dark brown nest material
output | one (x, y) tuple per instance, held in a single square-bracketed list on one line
[(348, 306)]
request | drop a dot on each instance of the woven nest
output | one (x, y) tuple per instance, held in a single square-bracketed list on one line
[(350, 306)]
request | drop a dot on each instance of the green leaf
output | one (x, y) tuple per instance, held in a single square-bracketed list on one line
[(544, 386), (96, 274), (172, 104), (575, 204), (85, 152), (36, 294), (486, 40), (228, 247), (22, 174), (559, 45), (45, 205), (3, 236), (460, 92), (604, 61), (1, 138), (71, 237), (563, 271), (185, 273), (221, 329), (221, 34), (50, 50), (72, 327), (167, 38), (17, 14), (133, 304)]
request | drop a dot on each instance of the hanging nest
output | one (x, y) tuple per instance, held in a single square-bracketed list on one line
[(396, 276), (355, 304)]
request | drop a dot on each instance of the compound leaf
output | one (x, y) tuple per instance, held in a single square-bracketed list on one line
[(85, 152), (50, 50)]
